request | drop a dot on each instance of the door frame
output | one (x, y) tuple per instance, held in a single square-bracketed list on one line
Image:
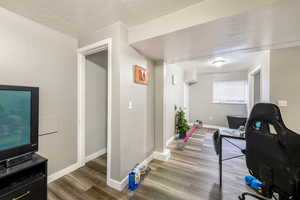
[(251, 75), (81, 99)]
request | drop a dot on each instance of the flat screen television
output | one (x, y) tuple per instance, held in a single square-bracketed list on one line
[(19, 110)]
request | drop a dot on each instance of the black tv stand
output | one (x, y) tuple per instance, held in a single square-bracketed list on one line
[(18, 160), (25, 181)]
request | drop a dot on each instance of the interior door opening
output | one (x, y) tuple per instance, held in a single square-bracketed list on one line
[(257, 88), (96, 107)]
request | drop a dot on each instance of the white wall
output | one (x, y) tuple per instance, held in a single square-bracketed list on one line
[(264, 68), (96, 102), (34, 55), (137, 124), (285, 82), (201, 94), (132, 129), (112, 31), (174, 96), (159, 105), (186, 100)]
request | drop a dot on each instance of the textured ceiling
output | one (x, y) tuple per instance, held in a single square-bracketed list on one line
[(239, 61), (269, 27), (78, 16)]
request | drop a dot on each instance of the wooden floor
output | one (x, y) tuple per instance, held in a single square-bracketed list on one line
[(191, 173)]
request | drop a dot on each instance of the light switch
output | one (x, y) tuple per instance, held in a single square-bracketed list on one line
[(130, 105), (174, 81), (282, 103)]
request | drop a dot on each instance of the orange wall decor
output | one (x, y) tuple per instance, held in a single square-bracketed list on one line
[(141, 75)]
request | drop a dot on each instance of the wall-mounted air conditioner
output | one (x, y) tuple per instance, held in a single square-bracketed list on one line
[(190, 76)]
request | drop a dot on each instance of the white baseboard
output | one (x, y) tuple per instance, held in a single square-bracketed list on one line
[(171, 139), (164, 156), (212, 126), (95, 155), (147, 160), (120, 185), (75, 166), (63, 172)]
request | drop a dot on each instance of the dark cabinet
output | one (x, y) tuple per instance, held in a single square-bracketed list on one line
[(27, 181)]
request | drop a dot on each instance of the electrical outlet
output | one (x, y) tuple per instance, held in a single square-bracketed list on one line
[(282, 103), (211, 118)]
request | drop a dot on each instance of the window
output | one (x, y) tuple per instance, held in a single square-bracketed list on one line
[(232, 92)]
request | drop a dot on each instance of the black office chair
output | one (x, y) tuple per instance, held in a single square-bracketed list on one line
[(273, 158), (234, 122)]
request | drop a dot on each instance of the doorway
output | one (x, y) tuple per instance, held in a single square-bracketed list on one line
[(94, 97), (96, 105), (255, 87)]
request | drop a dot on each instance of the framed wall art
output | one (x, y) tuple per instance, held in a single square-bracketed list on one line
[(141, 75)]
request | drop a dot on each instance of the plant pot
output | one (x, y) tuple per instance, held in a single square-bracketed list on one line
[(182, 135)]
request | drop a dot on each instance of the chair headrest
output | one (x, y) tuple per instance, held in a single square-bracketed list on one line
[(266, 112)]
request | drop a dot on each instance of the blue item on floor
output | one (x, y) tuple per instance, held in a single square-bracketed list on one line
[(136, 176), (134, 180), (249, 179), (253, 182)]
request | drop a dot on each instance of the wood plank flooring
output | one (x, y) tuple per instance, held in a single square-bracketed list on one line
[(191, 173)]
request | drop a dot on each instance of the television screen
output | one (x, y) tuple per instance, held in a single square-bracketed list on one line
[(15, 118)]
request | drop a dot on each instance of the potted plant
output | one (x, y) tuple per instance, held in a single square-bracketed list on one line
[(181, 124)]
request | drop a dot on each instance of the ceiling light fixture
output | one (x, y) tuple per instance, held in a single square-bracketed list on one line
[(219, 62)]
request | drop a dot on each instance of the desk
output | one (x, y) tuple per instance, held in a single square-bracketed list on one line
[(229, 135)]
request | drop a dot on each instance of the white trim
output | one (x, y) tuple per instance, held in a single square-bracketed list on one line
[(265, 79), (81, 109), (82, 53), (251, 75), (120, 185), (63, 172), (264, 69), (95, 48), (212, 126), (171, 139), (147, 160), (109, 105), (232, 103), (163, 156), (165, 83), (95, 155), (255, 70)]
